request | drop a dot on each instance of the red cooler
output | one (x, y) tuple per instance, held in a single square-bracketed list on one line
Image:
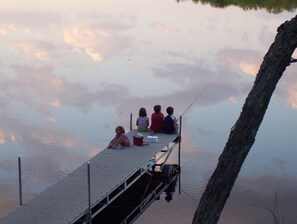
[(138, 139)]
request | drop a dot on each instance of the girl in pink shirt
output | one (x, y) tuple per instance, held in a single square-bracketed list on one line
[(120, 140)]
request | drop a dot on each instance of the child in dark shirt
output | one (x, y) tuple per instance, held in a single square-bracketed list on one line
[(170, 122)]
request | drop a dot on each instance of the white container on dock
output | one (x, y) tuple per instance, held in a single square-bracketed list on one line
[(151, 138)]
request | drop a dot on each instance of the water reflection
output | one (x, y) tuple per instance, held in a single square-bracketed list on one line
[(273, 7), (70, 73)]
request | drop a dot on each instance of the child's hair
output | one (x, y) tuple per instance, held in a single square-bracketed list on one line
[(121, 129), (142, 112), (157, 108), (169, 110)]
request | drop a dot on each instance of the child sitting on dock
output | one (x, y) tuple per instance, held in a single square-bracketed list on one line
[(170, 125), (156, 120), (142, 121), (120, 140)]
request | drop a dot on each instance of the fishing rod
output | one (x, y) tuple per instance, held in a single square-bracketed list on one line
[(199, 95)]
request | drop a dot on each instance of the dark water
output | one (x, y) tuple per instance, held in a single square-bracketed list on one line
[(70, 73)]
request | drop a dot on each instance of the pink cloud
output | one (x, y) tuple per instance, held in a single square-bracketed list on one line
[(98, 41)]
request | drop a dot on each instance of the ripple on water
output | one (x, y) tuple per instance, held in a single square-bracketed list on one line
[(196, 167)]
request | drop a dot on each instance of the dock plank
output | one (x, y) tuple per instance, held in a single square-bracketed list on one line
[(67, 199)]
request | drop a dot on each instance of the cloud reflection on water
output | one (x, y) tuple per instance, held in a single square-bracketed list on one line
[(38, 87), (99, 41)]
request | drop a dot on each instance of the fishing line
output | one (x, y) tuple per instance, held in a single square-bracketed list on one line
[(199, 95), (189, 195)]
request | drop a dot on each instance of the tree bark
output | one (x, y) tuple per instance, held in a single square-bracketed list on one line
[(243, 133)]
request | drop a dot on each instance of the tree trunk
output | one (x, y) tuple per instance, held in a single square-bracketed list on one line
[(242, 135)]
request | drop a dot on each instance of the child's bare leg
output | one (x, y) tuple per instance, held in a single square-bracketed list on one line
[(117, 142)]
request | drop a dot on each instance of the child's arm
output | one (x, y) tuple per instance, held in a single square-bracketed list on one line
[(112, 142), (175, 123), (117, 141)]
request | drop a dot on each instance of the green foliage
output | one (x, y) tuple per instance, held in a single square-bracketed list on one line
[(272, 6)]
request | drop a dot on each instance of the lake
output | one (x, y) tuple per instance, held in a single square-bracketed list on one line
[(71, 72)]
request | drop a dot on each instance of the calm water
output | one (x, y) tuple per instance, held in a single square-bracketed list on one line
[(71, 72)]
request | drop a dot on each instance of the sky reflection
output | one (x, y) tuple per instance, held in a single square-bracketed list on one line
[(70, 73)]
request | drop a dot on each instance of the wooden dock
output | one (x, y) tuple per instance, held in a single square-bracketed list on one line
[(110, 170)]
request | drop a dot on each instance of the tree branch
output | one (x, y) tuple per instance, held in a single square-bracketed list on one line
[(293, 60)]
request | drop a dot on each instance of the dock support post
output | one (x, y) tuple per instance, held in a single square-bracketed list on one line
[(89, 212), (179, 149), (130, 121), (20, 180)]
